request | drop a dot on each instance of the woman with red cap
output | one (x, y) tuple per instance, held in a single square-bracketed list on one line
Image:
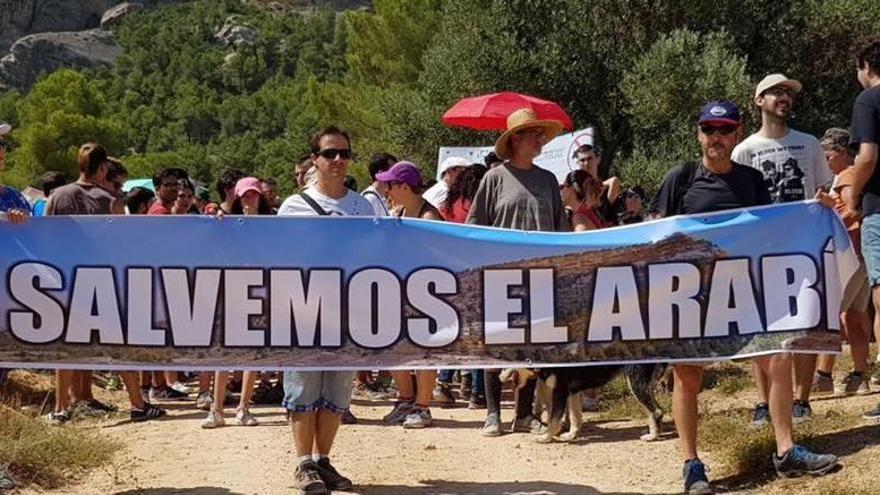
[(249, 200), (412, 408)]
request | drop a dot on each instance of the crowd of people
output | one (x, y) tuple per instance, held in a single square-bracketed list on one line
[(507, 190)]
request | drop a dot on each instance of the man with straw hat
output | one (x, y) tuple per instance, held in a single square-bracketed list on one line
[(518, 195)]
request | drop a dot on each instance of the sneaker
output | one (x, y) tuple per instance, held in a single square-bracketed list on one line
[(147, 413), (57, 418), (822, 384), (695, 480), (166, 393), (86, 409), (399, 413), (180, 387), (528, 424), (801, 411), (492, 428), (348, 418), (477, 402), (873, 413), (590, 405), (798, 461), (443, 395), (308, 479), (761, 415), (331, 477), (245, 418), (854, 383), (418, 418), (214, 420), (205, 400)]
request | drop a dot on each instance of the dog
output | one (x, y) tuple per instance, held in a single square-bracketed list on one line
[(559, 391)]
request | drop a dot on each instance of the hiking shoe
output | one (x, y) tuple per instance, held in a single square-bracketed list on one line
[(798, 461), (399, 413), (245, 418), (348, 418), (205, 400), (873, 414), (147, 413), (57, 418), (85, 409), (308, 479), (822, 384), (180, 387), (492, 428), (477, 402), (418, 418), (331, 477), (166, 393), (695, 480), (761, 415), (443, 395), (214, 420), (528, 424), (854, 383), (801, 411)]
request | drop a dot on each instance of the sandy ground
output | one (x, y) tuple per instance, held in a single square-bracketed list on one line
[(175, 456)]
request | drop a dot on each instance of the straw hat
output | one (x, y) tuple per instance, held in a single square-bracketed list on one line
[(525, 118)]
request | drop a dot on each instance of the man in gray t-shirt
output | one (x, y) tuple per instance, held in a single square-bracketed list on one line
[(518, 195)]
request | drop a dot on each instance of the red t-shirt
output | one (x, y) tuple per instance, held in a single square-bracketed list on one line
[(459, 212), (158, 209)]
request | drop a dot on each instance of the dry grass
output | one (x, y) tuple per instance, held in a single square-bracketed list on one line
[(36, 453)]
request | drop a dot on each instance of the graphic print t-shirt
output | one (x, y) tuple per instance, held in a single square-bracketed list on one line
[(793, 166), (351, 204)]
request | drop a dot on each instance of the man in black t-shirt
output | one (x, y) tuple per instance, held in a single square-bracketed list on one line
[(865, 137), (714, 184)]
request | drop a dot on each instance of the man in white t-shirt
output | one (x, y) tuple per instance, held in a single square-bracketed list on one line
[(449, 170), (792, 162), (316, 400), (794, 167), (375, 192)]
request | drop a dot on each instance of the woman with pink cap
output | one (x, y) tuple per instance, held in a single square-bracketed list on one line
[(405, 192), (249, 200)]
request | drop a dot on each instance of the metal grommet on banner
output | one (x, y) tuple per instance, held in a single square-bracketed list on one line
[(378, 363), (109, 220), (239, 220), (528, 363)]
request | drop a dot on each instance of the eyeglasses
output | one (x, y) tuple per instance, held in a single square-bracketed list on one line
[(779, 92), (724, 130), (332, 153)]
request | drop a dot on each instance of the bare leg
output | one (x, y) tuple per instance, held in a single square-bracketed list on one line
[(825, 363), (404, 384), (688, 383), (804, 368), (762, 383), (82, 385), (304, 427), (855, 327), (220, 379), (171, 377), (425, 388), (204, 381), (131, 379), (159, 379), (325, 432), (249, 378), (778, 369), (63, 382)]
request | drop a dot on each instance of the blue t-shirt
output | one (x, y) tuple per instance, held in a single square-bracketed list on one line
[(10, 198)]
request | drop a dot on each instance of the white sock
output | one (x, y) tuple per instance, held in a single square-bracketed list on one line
[(318, 457), (303, 458)]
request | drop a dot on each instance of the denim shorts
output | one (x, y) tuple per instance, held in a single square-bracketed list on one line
[(308, 391), (871, 247)]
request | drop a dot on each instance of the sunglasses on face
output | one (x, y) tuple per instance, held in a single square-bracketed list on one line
[(332, 153), (724, 130)]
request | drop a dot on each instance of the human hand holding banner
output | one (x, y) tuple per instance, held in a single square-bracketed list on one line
[(366, 293)]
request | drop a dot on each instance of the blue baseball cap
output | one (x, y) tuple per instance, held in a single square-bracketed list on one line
[(719, 112)]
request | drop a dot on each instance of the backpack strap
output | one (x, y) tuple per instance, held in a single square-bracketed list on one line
[(314, 204), (374, 193), (685, 180)]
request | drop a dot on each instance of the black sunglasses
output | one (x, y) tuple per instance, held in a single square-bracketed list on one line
[(332, 153), (724, 130)]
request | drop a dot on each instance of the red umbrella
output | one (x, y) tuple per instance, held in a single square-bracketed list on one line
[(490, 112)]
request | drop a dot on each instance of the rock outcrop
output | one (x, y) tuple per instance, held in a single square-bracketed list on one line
[(46, 52), (114, 15), (235, 34)]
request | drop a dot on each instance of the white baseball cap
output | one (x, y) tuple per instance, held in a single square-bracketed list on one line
[(5, 128), (777, 80), (453, 161)]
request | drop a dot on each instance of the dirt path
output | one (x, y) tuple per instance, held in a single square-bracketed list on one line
[(175, 456)]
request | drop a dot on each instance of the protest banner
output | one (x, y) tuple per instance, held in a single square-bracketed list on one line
[(556, 156), (366, 293)]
